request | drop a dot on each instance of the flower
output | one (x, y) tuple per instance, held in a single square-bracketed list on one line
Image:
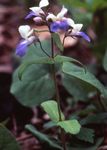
[(58, 22), (37, 11), (26, 33), (76, 31)]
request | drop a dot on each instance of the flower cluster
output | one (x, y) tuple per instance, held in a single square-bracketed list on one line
[(55, 24)]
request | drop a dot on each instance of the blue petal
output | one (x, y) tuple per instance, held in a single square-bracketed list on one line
[(83, 35), (21, 48), (54, 27), (64, 25), (31, 14), (59, 25)]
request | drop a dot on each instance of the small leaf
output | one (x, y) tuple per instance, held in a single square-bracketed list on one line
[(51, 108), (88, 77), (42, 137), (57, 41), (86, 135), (70, 126), (7, 141)]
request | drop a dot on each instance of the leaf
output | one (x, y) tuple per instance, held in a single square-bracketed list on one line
[(94, 119), (42, 137), (94, 146), (57, 41), (36, 86), (51, 108), (74, 88), (7, 141), (61, 59), (70, 126), (88, 77), (105, 61), (86, 135), (24, 66)]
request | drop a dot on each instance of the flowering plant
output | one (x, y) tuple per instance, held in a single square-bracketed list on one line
[(39, 84)]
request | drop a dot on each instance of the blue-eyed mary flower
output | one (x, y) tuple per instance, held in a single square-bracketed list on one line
[(27, 38), (58, 22), (76, 30), (37, 11)]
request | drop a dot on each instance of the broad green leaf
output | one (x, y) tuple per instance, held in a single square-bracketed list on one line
[(86, 135), (88, 77), (7, 141), (24, 66), (70, 126), (94, 119), (36, 86), (94, 146), (42, 137), (61, 59), (73, 86), (51, 108), (57, 41), (105, 61)]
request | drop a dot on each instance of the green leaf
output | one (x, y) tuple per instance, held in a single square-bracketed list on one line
[(86, 135), (42, 137), (94, 119), (51, 108), (61, 59), (57, 41), (7, 141), (36, 86), (70, 126), (24, 66), (94, 146), (74, 88), (105, 61), (88, 77)]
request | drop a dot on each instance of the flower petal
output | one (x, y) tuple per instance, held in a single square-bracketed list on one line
[(31, 14), (51, 17), (37, 11), (77, 27), (59, 25), (21, 48), (69, 21), (24, 31), (43, 3), (62, 13), (82, 35)]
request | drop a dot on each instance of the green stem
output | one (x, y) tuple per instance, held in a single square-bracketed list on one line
[(57, 96)]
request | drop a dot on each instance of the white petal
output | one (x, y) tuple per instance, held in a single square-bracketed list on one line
[(24, 31), (77, 28), (43, 3), (52, 17), (70, 22), (37, 10), (62, 12), (31, 39)]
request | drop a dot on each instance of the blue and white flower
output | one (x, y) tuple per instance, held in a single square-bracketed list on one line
[(76, 30), (37, 11), (27, 39), (58, 22)]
